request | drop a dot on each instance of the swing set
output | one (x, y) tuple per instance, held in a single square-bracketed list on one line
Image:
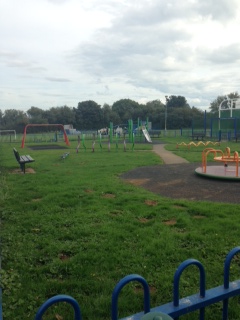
[(44, 125)]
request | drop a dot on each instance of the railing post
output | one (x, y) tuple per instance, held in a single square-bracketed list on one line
[(121, 284), (59, 298), (226, 274), (177, 276)]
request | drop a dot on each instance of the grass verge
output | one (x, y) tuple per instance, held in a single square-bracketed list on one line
[(73, 227)]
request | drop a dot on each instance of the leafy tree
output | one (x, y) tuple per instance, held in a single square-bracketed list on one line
[(214, 105), (88, 115), (14, 120), (176, 102), (36, 116), (179, 118), (108, 115), (60, 115), (125, 108), (155, 111), (1, 118)]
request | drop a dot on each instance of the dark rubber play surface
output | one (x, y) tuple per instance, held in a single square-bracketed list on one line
[(46, 147), (179, 181)]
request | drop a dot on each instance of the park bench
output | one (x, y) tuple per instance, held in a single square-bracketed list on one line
[(197, 135), (22, 160), (236, 137), (154, 133)]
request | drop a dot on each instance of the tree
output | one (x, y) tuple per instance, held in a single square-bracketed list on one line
[(61, 115), (126, 109), (176, 102), (179, 118), (1, 118), (88, 115), (155, 111), (14, 120), (36, 115), (108, 115), (214, 105)]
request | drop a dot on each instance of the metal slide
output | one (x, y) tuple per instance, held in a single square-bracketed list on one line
[(146, 135)]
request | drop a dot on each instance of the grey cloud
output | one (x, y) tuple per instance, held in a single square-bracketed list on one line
[(223, 55), (147, 44), (47, 94), (223, 10), (145, 47), (14, 60), (57, 79), (8, 55), (18, 64), (124, 50)]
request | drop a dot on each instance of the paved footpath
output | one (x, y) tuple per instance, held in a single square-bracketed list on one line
[(167, 156)]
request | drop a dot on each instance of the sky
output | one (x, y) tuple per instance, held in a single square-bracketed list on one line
[(62, 52)]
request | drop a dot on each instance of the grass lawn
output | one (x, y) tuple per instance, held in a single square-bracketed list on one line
[(73, 227)]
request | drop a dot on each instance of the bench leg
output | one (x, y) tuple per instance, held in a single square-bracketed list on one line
[(22, 166)]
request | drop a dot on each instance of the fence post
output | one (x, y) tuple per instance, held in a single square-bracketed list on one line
[(226, 273), (56, 299), (177, 276), (121, 284)]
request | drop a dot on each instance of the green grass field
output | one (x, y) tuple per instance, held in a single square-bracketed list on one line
[(74, 227)]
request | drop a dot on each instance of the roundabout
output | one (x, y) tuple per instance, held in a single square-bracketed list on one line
[(229, 168)]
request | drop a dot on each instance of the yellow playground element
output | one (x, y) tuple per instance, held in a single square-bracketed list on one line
[(200, 143), (221, 156)]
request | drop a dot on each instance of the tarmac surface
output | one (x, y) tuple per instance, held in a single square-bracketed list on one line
[(177, 179)]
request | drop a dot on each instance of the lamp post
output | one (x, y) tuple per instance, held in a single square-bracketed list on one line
[(166, 97)]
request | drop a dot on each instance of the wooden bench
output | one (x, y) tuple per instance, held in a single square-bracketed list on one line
[(22, 160), (197, 135)]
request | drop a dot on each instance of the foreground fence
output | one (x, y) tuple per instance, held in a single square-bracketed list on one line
[(178, 307)]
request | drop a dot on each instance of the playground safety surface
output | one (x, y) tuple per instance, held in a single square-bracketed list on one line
[(178, 180), (46, 147)]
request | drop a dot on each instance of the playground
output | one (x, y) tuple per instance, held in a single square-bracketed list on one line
[(179, 181), (78, 229)]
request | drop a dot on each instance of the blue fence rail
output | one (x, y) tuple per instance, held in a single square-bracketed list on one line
[(178, 307)]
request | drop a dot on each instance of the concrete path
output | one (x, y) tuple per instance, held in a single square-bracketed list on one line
[(167, 156)]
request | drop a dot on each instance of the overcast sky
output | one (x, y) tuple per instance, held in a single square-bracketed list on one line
[(61, 52)]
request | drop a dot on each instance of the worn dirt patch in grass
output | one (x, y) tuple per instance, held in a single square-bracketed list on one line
[(64, 257), (171, 222), (144, 220), (138, 182), (109, 195), (27, 170), (88, 191), (199, 217), (139, 290), (151, 203)]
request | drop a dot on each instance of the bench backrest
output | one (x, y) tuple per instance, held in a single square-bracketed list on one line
[(16, 154)]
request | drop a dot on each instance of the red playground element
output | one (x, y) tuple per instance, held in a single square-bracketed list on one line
[(44, 125)]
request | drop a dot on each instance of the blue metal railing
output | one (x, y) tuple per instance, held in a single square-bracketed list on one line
[(176, 308)]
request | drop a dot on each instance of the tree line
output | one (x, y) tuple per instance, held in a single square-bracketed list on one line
[(89, 115)]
